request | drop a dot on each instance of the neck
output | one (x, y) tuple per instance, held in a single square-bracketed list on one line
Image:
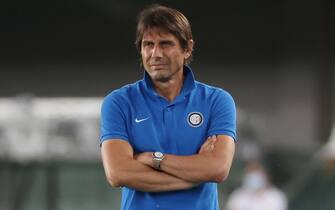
[(170, 89)]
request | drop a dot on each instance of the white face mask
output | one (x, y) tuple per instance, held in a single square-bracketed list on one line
[(254, 181)]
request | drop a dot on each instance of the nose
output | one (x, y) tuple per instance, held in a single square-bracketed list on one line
[(157, 52)]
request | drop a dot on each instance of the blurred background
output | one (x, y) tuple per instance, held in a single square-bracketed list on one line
[(58, 59)]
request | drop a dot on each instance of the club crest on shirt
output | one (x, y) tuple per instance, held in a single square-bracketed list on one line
[(195, 119)]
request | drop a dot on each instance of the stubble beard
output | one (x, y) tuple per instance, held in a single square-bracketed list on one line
[(165, 78), (160, 78)]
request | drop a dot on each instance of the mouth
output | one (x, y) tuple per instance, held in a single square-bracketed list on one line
[(158, 66)]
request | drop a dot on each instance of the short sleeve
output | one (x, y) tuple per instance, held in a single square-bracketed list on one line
[(223, 115), (113, 118)]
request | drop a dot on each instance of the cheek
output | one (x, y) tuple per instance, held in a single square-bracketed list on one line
[(144, 56), (179, 59), (145, 61)]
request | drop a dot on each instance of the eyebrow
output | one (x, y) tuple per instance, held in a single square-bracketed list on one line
[(166, 41), (163, 41), (146, 41)]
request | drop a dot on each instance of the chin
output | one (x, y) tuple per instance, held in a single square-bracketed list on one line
[(161, 78)]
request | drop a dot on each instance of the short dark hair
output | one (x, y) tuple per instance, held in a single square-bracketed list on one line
[(165, 18)]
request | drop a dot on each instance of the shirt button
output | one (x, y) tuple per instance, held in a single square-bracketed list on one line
[(157, 206), (168, 109)]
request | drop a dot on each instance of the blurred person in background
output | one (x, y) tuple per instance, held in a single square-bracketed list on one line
[(257, 192), (167, 139)]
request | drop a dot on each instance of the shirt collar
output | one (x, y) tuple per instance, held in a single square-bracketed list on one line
[(188, 86)]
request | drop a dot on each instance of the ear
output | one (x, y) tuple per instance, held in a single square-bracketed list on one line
[(189, 49)]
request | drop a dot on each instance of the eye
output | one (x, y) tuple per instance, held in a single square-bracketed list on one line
[(166, 43), (147, 44)]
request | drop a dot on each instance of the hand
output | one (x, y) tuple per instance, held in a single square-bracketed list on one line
[(145, 158), (208, 146)]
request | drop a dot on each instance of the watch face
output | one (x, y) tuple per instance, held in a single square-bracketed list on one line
[(158, 154)]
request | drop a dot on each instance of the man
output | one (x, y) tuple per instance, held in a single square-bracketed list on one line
[(167, 139), (257, 192)]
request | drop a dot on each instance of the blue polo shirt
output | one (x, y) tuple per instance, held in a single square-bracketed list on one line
[(137, 114)]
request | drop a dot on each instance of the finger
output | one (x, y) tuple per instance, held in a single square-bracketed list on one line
[(211, 140), (211, 144), (205, 149), (205, 145), (208, 140), (208, 147)]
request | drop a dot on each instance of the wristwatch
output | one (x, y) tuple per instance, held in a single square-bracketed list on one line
[(157, 158)]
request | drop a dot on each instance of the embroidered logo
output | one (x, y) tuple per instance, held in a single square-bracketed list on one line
[(195, 119), (141, 120)]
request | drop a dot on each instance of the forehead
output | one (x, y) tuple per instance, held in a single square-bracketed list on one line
[(158, 34)]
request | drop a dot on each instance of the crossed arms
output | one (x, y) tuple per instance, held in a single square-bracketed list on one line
[(124, 168)]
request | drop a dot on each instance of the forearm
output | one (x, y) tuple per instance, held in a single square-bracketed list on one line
[(122, 169), (141, 177), (211, 164), (195, 168)]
